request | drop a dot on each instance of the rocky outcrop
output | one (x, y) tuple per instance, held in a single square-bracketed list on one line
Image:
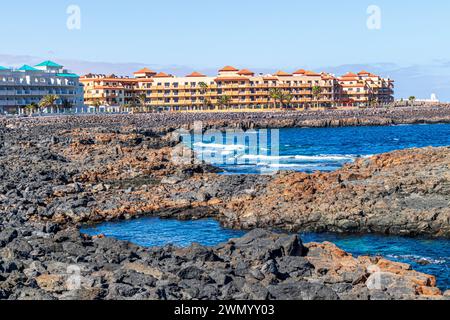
[(84, 175), (50, 264), (403, 193), (168, 122), (58, 173)]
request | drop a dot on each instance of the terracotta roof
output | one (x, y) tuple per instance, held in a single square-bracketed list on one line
[(195, 75), (350, 75), (300, 71), (246, 72), (363, 73), (312, 74), (162, 75), (228, 69), (145, 70), (282, 74)]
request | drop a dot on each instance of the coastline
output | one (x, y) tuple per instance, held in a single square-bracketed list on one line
[(73, 163), (170, 121)]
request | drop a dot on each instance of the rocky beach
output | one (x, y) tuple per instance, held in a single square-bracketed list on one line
[(58, 174)]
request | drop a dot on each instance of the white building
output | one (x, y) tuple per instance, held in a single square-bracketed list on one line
[(27, 85), (433, 99)]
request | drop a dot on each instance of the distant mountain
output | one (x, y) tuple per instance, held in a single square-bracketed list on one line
[(417, 80)]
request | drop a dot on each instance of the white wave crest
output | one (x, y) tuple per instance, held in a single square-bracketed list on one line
[(226, 147)]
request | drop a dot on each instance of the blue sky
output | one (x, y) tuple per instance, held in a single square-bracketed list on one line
[(204, 34), (207, 33)]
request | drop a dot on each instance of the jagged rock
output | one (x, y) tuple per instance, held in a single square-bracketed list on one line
[(100, 168)]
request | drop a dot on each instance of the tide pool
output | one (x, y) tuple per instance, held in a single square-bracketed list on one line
[(431, 256)]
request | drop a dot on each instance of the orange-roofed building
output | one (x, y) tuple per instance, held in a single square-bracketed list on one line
[(197, 91), (282, 74), (365, 89), (228, 69), (300, 72), (144, 73), (246, 72), (312, 74), (162, 75), (195, 75), (363, 73)]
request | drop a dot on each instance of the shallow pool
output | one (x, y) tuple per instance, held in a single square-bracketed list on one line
[(431, 256)]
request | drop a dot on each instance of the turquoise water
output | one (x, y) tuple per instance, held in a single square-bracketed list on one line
[(309, 149), (428, 256)]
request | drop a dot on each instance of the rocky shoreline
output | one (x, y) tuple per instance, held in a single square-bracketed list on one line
[(59, 173), (167, 122)]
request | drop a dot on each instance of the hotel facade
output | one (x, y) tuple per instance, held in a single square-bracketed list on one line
[(27, 86), (236, 89)]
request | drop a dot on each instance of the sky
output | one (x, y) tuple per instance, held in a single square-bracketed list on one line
[(205, 34)]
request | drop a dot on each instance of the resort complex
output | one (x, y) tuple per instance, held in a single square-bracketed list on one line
[(26, 87), (235, 89), (48, 87)]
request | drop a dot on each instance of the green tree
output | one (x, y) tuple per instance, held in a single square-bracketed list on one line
[(276, 95), (316, 92), (31, 108), (224, 101), (97, 103), (412, 99), (286, 99), (48, 101), (142, 100), (204, 88)]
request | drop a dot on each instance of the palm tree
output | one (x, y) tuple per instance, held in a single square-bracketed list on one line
[(316, 91), (203, 90), (224, 101), (142, 99), (286, 99), (277, 95), (412, 99), (31, 107), (48, 102), (97, 103)]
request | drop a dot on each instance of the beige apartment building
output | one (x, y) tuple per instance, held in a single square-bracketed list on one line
[(236, 89), (365, 89)]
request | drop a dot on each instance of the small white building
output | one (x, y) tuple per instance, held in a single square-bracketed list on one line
[(433, 99)]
